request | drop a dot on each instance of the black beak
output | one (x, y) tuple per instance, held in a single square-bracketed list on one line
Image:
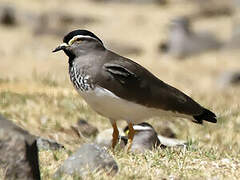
[(61, 47)]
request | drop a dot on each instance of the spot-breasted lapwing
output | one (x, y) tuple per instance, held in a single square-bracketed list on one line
[(120, 89)]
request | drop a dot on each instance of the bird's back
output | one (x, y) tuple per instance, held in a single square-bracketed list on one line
[(131, 81)]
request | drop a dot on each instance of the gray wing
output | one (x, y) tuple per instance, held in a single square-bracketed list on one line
[(132, 82)]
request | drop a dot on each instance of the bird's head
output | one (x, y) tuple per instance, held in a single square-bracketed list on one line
[(80, 42), (139, 128)]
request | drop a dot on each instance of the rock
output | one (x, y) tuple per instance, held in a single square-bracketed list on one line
[(58, 23), (104, 138), (183, 41), (159, 2), (236, 3), (44, 26), (230, 78), (8, 16), (85, 129), (234, 42), (145, 138), (18, 152), (87, 159), (213, 8), (48, 144)]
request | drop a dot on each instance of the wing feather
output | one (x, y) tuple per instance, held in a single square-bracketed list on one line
[(118, 72), (130, 81)]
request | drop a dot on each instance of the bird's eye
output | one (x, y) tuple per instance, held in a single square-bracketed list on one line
[(78, 39)]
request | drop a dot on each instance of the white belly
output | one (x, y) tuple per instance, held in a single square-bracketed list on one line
[(115, 108)]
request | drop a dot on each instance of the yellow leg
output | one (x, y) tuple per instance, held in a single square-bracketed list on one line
[(115, 135), (130, 135)]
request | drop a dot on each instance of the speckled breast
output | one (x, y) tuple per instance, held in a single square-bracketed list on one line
[(80, 79)]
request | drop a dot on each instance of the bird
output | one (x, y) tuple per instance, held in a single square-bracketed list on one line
[(145, 138), (184, 42), (121, 89)]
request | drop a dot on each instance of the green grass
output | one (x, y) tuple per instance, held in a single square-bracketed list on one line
[(212, 150)]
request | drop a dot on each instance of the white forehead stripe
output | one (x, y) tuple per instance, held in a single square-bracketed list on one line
[(80, 36), (64, 44), (141, 128)]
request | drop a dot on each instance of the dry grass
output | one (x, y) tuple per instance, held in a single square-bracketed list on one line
[(36, 94)]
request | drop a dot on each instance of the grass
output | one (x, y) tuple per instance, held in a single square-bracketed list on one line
[(163, 163), (36, 94)]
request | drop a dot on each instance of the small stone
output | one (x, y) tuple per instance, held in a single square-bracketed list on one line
[(44, 120), (214, 8), (48, 144), (85, 129), (225, 161), (104, 138), (234, 42), (183, 41), (57, 23), (8, 16), (159, 2), (228, 79), (18, 152), (87, 159)]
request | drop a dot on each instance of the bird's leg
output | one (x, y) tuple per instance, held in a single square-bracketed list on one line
[(130, 135), (115, 134)]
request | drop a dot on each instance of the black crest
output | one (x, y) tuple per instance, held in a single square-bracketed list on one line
[(70, 35)]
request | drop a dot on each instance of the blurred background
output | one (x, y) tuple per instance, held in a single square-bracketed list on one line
[(190, 44)]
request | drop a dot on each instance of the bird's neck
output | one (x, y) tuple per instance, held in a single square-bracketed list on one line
[(70, 61), (70, 55)]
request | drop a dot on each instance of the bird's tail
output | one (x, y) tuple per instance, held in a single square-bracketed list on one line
[(207, 116)]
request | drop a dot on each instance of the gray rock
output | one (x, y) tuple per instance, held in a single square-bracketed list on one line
[(234, 41), (18, 152), (83, 128), (228, 79), (104, 138), (8, 15), (58, 23), (213, 8), (183, 42), (87, 159), (160, 2), (48, 144), (236, 3)]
